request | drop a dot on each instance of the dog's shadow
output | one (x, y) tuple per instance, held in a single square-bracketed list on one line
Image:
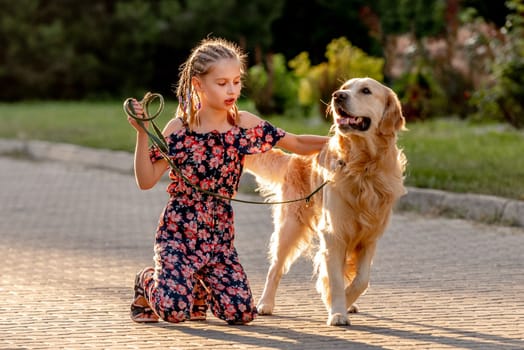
[(269, 334)]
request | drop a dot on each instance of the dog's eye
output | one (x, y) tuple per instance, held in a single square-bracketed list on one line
[(366, 91)]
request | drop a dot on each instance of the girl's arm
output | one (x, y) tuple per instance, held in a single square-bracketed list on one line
[(302, 144), (147, 173)]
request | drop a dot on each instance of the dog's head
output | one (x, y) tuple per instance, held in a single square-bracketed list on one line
[(363, 105)]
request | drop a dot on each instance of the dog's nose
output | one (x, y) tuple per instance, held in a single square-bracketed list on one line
[(340, 96)]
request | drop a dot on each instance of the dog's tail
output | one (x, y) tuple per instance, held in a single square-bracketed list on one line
[(269, 169), (280, 175)]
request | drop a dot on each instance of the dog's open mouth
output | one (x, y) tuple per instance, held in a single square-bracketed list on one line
[(346, 121)]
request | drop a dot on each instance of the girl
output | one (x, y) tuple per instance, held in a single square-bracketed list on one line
[(195, 257)]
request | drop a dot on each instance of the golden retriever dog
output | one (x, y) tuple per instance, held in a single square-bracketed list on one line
[(364, 170)]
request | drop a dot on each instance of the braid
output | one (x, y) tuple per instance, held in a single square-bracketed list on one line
[(199, 62)]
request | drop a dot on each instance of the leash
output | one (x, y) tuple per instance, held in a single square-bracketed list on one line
[(158, 140)]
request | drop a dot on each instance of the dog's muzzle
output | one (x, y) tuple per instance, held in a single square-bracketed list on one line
[(345, 121)]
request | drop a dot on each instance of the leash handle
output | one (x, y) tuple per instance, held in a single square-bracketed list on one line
[(157, 138), (149, 97)]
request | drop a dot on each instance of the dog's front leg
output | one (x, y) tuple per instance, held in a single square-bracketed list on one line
[(360, 282), (331, 278)]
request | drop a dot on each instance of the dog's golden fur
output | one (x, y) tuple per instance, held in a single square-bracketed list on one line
[(365, 170)]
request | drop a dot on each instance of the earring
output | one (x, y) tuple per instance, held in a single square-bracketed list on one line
[(199, 105)]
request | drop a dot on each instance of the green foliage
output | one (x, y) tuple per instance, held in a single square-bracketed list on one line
[(91, 124), (344, 61), (420, 94), (459, 156), (276, 90), (420, 18), (99, 49), (271, 86), (65, 49), (431, 83), (502, 98)]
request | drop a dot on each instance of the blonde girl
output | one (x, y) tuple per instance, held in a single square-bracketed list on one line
[(196, 264)]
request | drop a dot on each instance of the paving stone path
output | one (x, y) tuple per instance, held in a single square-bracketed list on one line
[(73, 236)]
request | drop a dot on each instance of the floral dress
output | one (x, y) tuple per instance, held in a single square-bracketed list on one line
[(194, 243)]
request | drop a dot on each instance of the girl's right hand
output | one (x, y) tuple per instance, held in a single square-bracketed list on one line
[(139, 112)]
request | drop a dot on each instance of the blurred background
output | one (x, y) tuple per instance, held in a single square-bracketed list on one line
[(456, 65), (443, 57)]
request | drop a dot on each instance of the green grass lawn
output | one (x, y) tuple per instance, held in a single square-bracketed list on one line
[(447, 154)]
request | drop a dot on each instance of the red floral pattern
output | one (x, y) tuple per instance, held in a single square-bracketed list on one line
[(195, 236)]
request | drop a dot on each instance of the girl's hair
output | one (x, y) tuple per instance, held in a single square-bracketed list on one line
[(202, 58)]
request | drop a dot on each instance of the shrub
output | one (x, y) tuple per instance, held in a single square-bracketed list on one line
[(271, 86), (306, 89), (420, 94), (344, 61), (502, 97)]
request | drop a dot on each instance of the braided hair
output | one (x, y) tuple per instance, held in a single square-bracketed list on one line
[(202, 57)]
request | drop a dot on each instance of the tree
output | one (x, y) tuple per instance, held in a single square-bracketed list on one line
[(311, 25), (76, 49)]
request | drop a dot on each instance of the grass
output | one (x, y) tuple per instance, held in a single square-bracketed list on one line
[(447, 154), (453, 155), (91, 124)]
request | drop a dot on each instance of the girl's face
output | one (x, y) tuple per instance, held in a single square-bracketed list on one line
[(220, 87)]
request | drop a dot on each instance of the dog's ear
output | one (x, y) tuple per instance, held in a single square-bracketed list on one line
[(392, 119)]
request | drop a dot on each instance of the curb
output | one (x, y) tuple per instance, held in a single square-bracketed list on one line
[(482, 208)]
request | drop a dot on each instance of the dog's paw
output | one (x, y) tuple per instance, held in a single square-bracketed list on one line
[(353, 309), (338, 320), (265, 309)]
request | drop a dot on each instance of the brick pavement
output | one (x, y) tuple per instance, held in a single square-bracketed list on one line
[(72, 238)]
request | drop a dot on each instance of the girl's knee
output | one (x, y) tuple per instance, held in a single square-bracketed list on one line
[(241, 321), (238, 315), (245, 318), (171, 312)]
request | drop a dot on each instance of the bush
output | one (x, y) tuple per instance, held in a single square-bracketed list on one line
[(502, 97), (271, 86), (307, 89), (344, 61), (420, 94)]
